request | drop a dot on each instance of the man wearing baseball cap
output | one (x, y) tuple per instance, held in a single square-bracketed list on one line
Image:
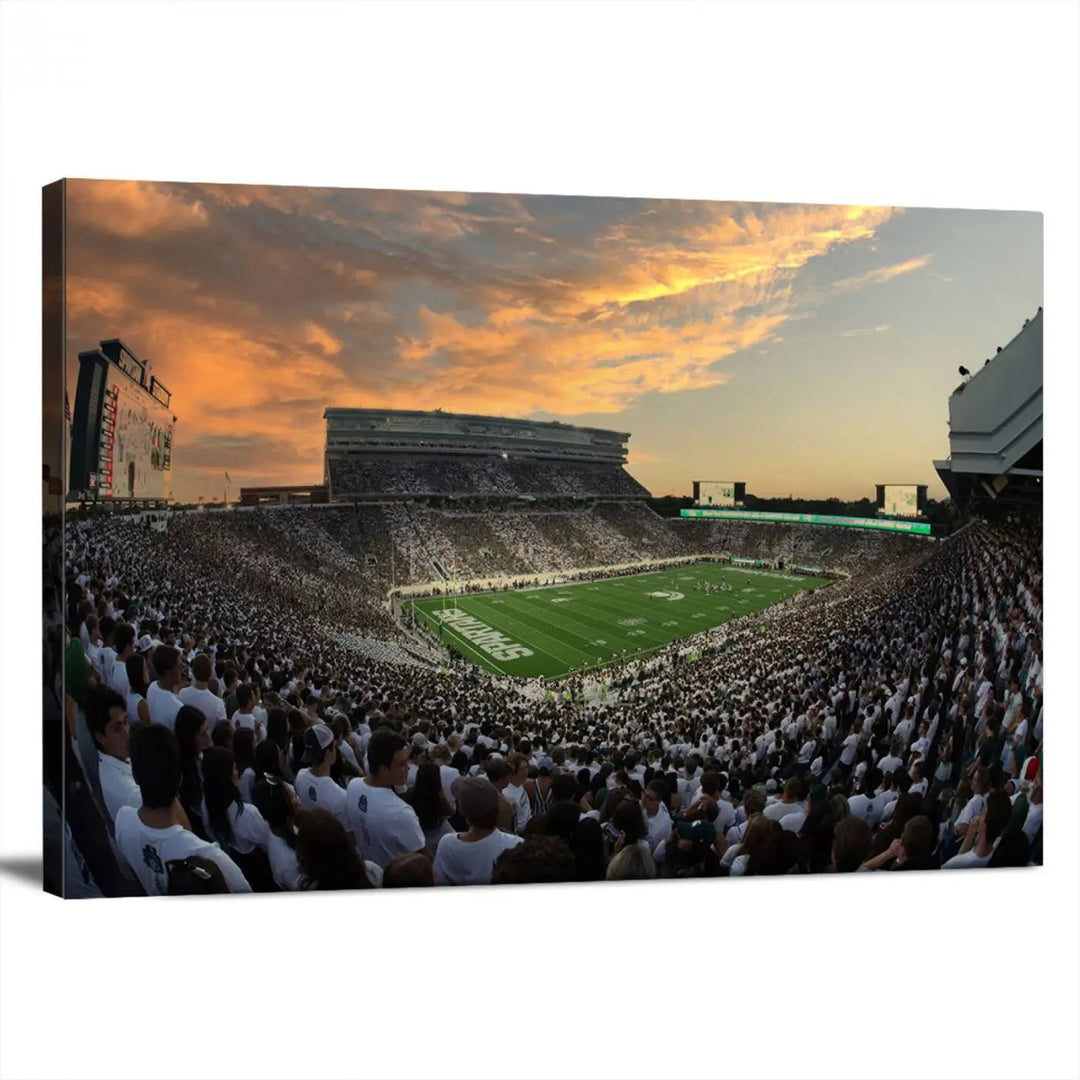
[(314, 786)]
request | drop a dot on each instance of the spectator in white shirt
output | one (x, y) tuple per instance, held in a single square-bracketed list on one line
[(790, 802), (892, 761), (245, 717), (921, 745), (468, 858), (919, 783), (124, 646), (235, 825), (314, 785), (982, 837), (106, 717), (657, 817), (980, 785), (157, 833), (161, 695), (1033, 821), (278, 804), (382, 822), (199, 694), (138, 678), (516, 793)]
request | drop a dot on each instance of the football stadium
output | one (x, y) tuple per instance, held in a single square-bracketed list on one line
[(475, 650), (555, 630)]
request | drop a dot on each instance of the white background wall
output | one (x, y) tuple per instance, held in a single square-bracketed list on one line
[(905, 104)]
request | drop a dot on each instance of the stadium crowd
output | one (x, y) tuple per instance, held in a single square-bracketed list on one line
[(415, 476), (230, 738)]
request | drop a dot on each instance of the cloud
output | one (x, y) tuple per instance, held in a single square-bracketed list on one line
[(262, 305), (132, 208), (881, 274), (884, 328)]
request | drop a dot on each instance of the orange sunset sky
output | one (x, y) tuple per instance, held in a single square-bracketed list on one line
[(804, 349)]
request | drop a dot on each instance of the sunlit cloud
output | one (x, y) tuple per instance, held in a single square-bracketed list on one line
[(882, 274), (262, 305), (884, 328), (133, 209)]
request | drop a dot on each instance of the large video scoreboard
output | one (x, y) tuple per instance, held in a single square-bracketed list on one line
[(122, 428), (901, 500), (718, 492)]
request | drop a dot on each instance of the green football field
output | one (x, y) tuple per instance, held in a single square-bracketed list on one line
[(555, 630)]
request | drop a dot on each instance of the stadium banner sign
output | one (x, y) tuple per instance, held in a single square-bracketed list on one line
[(917, 527)]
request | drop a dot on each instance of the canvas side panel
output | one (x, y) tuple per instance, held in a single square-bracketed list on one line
[(53, 487)]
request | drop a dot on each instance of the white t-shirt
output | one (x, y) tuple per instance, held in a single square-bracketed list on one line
[(1033, 821), (659, 827), (118, 787), (322, 792), (739, 865), (450, 777), (735, 834), (967, 861), (164, 705), (133, 701), (246, 784), (107, 659), (458, 862), (518, 797), (793, 822), (777, 811), (975, 806), (382, 822), (726, 816), (148, 850), (206, 701), (249, 827), (889, 764), (245, 720), (283, 863), (687, 790), (862, 806), (851, 746), (118, 679)]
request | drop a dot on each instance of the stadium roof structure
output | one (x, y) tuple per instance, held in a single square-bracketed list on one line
[(996, 427), (337, 412)]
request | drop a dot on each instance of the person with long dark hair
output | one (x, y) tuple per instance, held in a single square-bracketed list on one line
[(277, 733), (429, 801), (243, 749), (816, 833), (193, 738), (268, 762), (326, 853), (297, 727), (138, 673), (237, 826), (278, 804)]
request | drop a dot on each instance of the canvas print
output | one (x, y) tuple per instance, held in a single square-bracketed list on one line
[(410, 538)]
